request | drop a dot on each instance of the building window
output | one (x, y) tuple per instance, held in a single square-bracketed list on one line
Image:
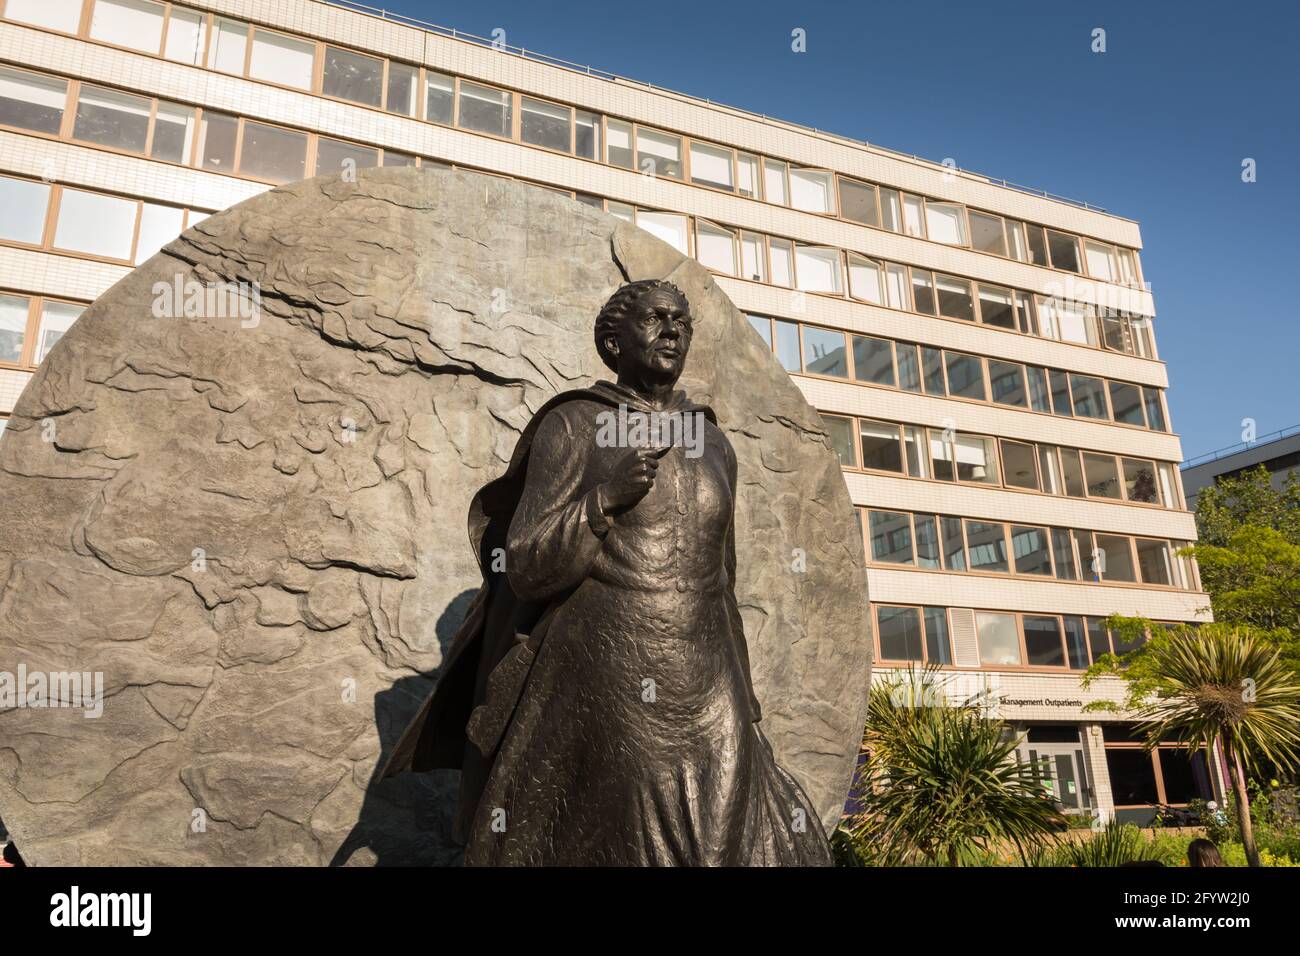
[(996, 307), (1064, 249), (891, 537), (753, 259), (187, 33), (13, 328), (402, 95), (32, 102), (173, 133), (1101, 476), (545, 124), (900, 633), (747, 175), (965, 376), (439, 98), (817, 269), (1043, 645), (1116, 558), (840, 431), (618, 137), (135, 24), (1031, 551), (866, 280), (56, 319), (945, 223), (774, 182), (955, 299), (810, 190), (787, 347), (873, 360), (1153, 561), (986, 546), (880, 448), (61, 15), (999, 641), (668, 226), (280, 59), (25, 205), (336, 157), (229, 46), (711, 166), (858, 202), (1018, 466), (1089, 397), (824, 352), (218, 135), (353, 77), (586, 138), (274, 154), (108, 118), (96, 225), (1100, 260), (1007, 383), (659, 153), (1126, 402), (159, 225), (484, 109), (715, 247), (986, 233)]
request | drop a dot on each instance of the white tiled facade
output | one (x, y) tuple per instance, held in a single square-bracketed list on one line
[(1026, 695)]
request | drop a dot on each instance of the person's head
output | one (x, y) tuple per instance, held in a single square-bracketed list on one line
[(644, 332), (1201, 852)]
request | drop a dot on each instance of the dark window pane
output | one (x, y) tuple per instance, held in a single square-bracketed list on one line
[(1037, 245), (271, 153), (954, 548), (1060, 393), (334, 157), (1089, 396), (1039, 397), (544, 124), (938, 648), (1126, 400), (1018, 467), (32, 102), (841, 436), (112, 119), (880, 448), (1063, 552), (923, 292), (217, 134), (1132, 777), (439, 98), (787, 345), (891, 537), (1043, 646), (900, 633), (1030, 547), (965, 375), (173, 133), (403, 89), (858, 202), (1007, 383), (1102, 478), (1180, 770), (1072, 473), (873, 360), (987, 544), (955, 298), (824, 352), (1076, 643), (1098, 639), (1065, 251), (352, 76), (996, 307), (932, 361), (1140, 480), (909, 370), (1155, 414), (927, 541)]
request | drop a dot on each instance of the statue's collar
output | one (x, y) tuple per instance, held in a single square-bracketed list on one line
[(622, 395)]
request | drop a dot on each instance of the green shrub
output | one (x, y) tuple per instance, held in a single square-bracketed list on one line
[(1114, 845)]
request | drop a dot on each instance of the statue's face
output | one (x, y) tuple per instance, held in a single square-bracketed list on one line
[(654, 337)]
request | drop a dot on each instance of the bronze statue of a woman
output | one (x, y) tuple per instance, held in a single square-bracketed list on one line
[(598, 698)]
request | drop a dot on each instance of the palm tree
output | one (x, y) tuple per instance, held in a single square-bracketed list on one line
[(940, 783), (1215, 683)]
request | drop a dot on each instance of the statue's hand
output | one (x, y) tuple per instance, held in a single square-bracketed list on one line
[(634, 476)]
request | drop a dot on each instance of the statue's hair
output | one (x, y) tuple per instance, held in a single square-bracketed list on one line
[(618, 306)]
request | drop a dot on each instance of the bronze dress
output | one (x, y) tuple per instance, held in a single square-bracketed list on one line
[(621, 728)]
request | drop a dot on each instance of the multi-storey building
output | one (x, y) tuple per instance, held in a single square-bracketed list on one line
[(1278, 454), (983, 354)]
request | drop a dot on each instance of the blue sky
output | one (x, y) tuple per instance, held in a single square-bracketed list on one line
[(1154, 129)]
